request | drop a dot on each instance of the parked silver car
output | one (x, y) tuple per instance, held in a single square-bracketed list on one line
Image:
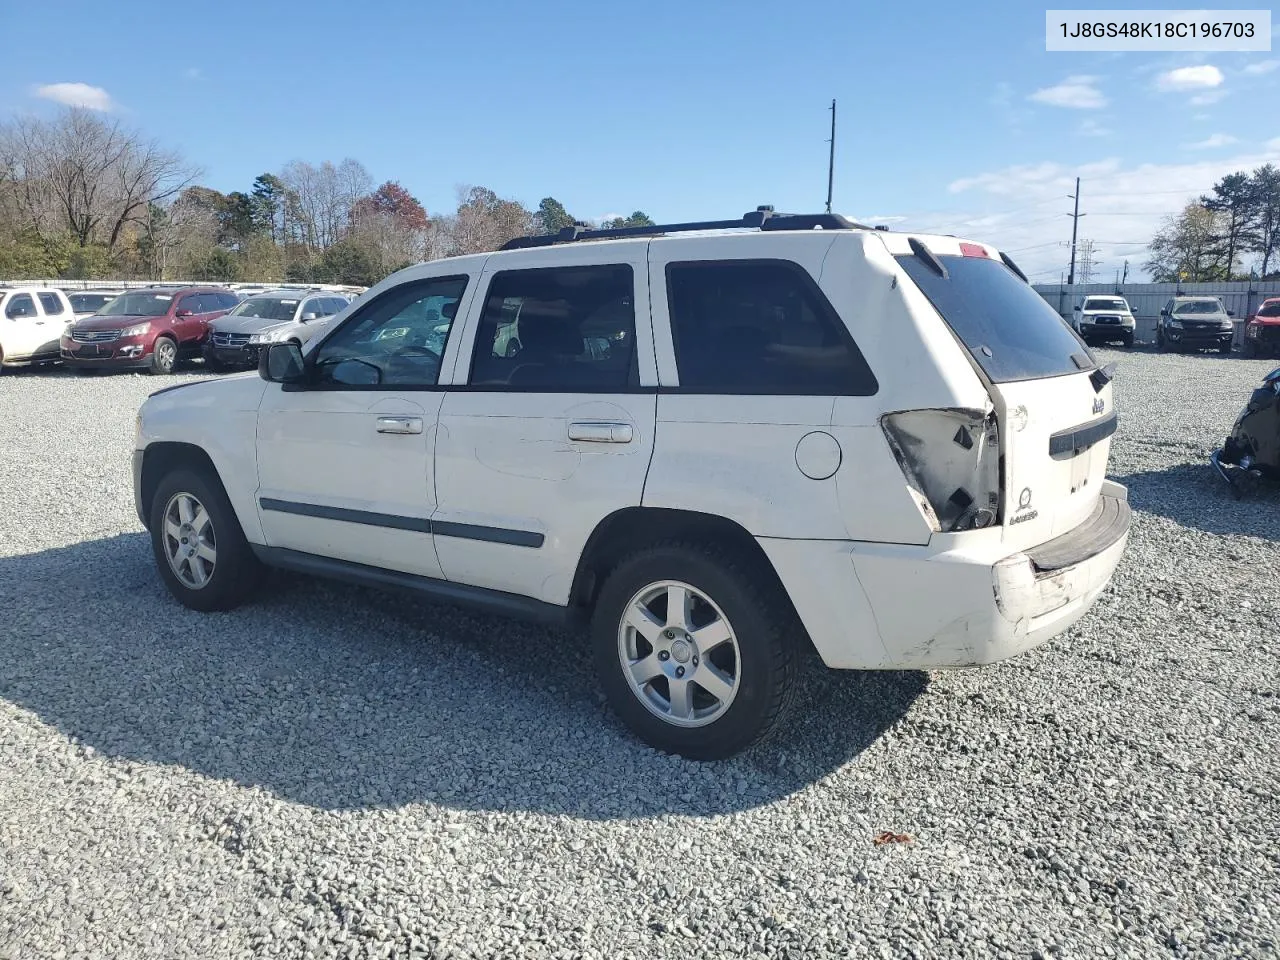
[(271, 317)]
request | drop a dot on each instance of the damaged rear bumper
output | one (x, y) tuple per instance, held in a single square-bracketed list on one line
[(909, 607)]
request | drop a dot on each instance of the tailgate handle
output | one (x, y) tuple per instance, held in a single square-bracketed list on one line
[(399, 424), (599, 431)]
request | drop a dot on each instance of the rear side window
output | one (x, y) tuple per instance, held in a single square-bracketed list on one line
[(226, 301), (20, 305), (1007, 327), (52, 304), (760, 327), (561, 329)]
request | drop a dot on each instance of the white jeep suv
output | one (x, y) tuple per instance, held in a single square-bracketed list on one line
[(717, 443)]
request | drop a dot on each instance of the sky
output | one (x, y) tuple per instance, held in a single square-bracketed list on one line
[(952, 117)]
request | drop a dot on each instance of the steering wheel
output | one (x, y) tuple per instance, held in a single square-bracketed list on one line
[(415, 350)]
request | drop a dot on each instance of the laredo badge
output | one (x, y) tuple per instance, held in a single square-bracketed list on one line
[(1025, 512)]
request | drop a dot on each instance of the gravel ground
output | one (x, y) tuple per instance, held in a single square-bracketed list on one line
[(334, 772)]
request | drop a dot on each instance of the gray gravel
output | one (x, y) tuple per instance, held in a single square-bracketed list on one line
[(334, 772)]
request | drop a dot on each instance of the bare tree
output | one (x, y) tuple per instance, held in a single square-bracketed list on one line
[(485, 221), (320, 199), (86, 175)]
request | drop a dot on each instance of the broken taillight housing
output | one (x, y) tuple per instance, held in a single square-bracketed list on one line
[(951, 459)]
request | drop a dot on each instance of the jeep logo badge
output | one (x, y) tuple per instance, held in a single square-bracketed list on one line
[(1024, 498), (1098, 404)]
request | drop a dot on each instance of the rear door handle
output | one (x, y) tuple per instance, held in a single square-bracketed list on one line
[(598, 431), (399, 424)]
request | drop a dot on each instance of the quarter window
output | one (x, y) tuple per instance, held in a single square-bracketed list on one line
[(559, 329), (51, 303), (760, 327), (397, 340)]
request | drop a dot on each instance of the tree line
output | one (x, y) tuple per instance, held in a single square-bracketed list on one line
[(1231, 234), (82, 196)]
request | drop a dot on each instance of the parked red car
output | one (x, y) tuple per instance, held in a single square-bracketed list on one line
[(152, 328), (1262, 331)]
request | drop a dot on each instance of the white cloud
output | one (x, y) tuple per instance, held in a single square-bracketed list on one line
[(1076, 93), (1022, 208), (1205, 76), (76, 95), (1212, 142), (880, 218), (1090, 127), (1261, 67), (1205, 99)]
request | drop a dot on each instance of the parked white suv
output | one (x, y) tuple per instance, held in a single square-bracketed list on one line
[(31, 323), (1103, 318), (717, 443)]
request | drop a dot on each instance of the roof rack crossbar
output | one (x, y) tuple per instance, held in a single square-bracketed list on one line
[(762, 218)]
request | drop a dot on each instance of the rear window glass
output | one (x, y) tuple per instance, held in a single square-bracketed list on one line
[(1007, 327)]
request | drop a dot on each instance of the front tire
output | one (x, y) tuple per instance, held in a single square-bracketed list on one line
[(164, 355), (1127, 340), (695, 649), (198, 544)]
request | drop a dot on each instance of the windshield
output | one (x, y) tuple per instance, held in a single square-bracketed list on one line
[(1271, 309), (138, 305), (268, 308), (1105, 303), (1198, 306), (88, 302), (1012, 333)]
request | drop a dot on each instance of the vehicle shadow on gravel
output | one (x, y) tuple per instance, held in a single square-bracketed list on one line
[(1194, 495), (345, 698)]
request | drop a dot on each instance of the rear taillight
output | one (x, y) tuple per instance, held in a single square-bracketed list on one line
[(951, 459)]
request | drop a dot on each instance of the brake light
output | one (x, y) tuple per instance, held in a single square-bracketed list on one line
[(951, 460), (973, 250)]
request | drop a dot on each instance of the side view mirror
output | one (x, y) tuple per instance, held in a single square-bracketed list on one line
[(281, 363), (184, 313), (1231, 313), (1164, 313), (310, 316)]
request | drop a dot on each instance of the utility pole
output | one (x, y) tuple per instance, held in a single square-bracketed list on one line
[(1125, 278), (1075, 222), (831, 157)]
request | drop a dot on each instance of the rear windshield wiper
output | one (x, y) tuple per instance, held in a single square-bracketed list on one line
[(928, 258)]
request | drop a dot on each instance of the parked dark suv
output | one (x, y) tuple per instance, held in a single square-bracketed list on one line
[(152, 328)]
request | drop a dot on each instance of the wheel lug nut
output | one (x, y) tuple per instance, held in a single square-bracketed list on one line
[(695, 661), (669, 634), (663, 655), (679, 671)]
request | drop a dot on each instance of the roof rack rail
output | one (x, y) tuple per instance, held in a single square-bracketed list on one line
[(762, 218)]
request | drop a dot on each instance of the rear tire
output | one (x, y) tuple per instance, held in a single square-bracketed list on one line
[(164, 355), (705, 681), (1250, 349), (1127, 340), (198, 544), (1161, 344)]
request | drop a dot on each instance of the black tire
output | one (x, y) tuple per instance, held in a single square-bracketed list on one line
[(1250, 349), (1127, 340), (164, 355), (1161, 344), (215, 366), (236, 570), (1225, 350), (766, 630)]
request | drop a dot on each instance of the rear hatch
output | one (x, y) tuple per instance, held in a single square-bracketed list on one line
[(1053, 406)]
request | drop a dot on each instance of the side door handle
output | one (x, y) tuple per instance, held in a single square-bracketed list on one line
[(599, 431), (399, 424)]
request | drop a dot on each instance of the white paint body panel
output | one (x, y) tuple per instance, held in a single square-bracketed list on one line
[(506, 460), (874, 584), (36, 336)]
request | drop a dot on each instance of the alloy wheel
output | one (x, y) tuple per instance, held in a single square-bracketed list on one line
[(679, 654), (189, 542)]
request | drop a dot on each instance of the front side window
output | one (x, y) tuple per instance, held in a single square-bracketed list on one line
[(558, 329), (20, 306), (51, 303), (760, 327), (397, 340)]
